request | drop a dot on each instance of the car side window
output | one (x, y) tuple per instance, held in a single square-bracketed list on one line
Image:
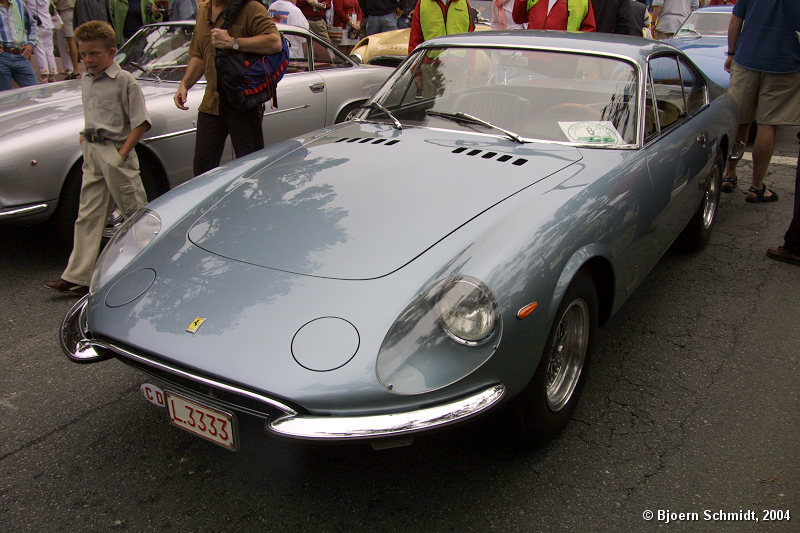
[(668, 89), (694, 87), (298, 52), (326, 58), (650, 111)]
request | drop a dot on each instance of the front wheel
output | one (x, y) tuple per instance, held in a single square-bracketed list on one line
[(698, 230), (542, 410), (63, 219)]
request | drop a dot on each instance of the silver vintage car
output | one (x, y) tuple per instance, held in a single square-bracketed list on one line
[(40, 172), (448, 251)]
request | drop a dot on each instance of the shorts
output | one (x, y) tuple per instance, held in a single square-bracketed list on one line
[(768, 98), (66, 16)]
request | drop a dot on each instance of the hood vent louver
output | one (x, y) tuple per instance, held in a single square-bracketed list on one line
[(490, 155), (364, 140)]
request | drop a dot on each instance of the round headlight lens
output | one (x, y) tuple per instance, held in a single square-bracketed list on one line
[(136, 233), (468, 311)]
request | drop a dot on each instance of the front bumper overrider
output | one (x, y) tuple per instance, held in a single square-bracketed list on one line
[(80, 347)]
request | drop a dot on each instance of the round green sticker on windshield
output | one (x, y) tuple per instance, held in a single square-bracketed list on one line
[(591, 132)]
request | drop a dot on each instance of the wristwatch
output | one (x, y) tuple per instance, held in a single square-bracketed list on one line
[(235, 43)]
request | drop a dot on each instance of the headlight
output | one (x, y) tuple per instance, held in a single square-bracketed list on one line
[(443, 335), (136, 233), (468, 311)]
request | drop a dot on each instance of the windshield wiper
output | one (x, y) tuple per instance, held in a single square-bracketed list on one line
[(463, 117), (145, 70), (375, 105)]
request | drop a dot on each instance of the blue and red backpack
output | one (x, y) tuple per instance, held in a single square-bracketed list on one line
[(248, 80)]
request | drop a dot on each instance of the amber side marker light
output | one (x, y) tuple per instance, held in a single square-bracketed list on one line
[(527, 310)]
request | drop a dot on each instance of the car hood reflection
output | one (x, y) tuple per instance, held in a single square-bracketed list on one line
[(353, 204)]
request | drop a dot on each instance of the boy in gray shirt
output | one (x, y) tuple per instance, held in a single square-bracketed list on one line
[(115, 120)]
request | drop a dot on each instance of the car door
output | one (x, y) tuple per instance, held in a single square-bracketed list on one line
[(679, 152), (302, 105)]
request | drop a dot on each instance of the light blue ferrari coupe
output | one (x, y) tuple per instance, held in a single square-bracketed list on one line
[(447, 252)]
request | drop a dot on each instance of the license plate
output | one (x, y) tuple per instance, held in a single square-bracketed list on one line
[(217, 426)]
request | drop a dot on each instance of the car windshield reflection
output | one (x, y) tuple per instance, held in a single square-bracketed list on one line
[(159, 52), (705, 24), (536, 94)]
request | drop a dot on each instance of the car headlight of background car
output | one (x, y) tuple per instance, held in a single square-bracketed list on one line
[(134, 235), (446, 333)]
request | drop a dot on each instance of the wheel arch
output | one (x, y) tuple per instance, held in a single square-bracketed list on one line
[(342, 113), (594, 259), (149, 159)]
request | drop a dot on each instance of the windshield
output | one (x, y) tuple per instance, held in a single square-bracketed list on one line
[(157, 52), (705, 24), (534, 94)]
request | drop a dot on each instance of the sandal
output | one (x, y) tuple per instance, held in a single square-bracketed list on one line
[(759, 195), (729, 184)]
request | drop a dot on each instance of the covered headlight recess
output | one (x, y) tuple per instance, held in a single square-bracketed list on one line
[(445, 334), (134, 235)]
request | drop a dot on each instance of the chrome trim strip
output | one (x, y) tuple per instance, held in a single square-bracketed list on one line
[(82, 350), (194, 377), (304, 106), (384, 425), (28, 209), (168, 135)]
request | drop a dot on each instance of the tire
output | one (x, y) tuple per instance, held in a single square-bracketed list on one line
[(546, 405), (698, 230), (63, 219)]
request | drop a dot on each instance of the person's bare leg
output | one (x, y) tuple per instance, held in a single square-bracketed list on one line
[(73, 53), (763, 147)]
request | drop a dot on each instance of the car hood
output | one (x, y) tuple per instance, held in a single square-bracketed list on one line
[(361, 201), (42, 104)]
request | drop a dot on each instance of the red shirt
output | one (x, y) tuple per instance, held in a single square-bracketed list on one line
[(309, 12), (342, 10), (539, 19)]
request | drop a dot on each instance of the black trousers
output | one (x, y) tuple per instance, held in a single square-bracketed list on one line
[(244, 127), (791, 241)]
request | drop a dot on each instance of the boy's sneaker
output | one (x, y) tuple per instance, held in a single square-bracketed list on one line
[(62, 285)]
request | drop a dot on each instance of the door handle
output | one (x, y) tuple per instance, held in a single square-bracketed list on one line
[(317, 87)]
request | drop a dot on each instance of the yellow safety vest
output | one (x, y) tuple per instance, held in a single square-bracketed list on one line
[(577, 10), (434, 23)]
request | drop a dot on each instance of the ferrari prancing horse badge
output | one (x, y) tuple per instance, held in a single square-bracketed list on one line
[(195, 325)]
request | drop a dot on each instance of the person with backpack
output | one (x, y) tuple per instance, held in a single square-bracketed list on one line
[(250, 30)]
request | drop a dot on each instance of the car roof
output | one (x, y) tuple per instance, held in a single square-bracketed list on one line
[(715, 9), (281, 27), (635, 48)]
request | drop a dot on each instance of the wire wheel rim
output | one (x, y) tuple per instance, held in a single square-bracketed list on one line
[(711, 198), (567, 354)]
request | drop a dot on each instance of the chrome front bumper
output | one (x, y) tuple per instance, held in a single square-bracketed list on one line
[(80, 348)]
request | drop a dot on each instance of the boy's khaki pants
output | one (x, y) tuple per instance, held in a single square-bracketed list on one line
[(106, 178)]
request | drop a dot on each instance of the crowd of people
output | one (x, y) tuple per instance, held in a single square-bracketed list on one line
[(763, 59)]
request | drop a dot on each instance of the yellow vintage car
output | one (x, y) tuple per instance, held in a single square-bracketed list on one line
[(390, 48)]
